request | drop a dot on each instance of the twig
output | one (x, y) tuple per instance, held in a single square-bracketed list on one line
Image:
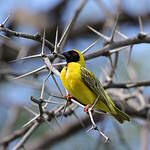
[(100, 34), (31, 72), (26, 136), (39, 102), (5, 21), (27, 57), (127, 42), (144, 136), (30, 110), (94, 126), (128, 85), (56, 40), (90, 46), (35, 37), (55, 81), (43, 85), (141, 25), (130, 52), (71, 23), (114, 66), (16, 134), (68, 130), (43, 44), (114, 29)]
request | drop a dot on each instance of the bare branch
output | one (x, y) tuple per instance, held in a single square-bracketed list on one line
[(56, 40), (128, 85), (141, 25), (127, 42), (26, 136), (43, 44), (100, 34), (114, 29), (16, 134), (31, 72), (5, 21), (71, 23), (35, 37), (90, 46)]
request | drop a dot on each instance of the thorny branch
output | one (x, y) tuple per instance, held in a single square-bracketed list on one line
[(111, 47)]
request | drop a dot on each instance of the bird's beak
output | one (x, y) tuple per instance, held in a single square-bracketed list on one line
[(66, 55), (61, 56)]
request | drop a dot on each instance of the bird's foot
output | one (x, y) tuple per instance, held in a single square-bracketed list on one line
[(68, 97), (86, 108)]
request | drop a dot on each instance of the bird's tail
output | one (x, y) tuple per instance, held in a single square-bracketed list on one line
[(120, 115)]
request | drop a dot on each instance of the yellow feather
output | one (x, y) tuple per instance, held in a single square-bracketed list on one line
[(72, 81)]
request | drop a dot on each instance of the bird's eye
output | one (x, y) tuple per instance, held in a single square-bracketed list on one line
[(75, 54)]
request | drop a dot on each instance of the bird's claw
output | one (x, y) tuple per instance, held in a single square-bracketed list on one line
[(86, 108), (68, 97)]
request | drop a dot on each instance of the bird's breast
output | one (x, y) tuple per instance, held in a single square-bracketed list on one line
[(72, 81), (70, 75)]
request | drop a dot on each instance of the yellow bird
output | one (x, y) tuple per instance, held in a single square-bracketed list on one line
[(85, 87)]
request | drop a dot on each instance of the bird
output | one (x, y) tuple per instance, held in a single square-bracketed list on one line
[(85, 87)]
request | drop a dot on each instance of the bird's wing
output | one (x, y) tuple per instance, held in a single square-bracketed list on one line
[(95, 85)]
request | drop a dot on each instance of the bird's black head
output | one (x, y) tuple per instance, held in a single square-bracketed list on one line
[(71, 56)]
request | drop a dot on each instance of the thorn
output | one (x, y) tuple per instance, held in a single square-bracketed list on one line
[(43, 85), (27, 57), (94, 126), (5, 21), (4, 36), (45, 106), (110, 59), (31, 111), (130, 52), (142, 34), (53, 102), (95, 102), (87, 107), (117, 50), (56, 40), (29, 73), (55, 71), (37, 35), (57, 85), (100, 34), (90, 46), (56, 96), (64, 110), (35, 100), (141, 24), (32, 120), (43, 44), (121, 34), (114, 29), (71, 23), (91, 128)]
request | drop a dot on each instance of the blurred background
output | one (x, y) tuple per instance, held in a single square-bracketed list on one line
[(31, 16)]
